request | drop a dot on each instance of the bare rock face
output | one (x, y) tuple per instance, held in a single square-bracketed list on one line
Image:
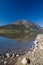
[(34, 57)]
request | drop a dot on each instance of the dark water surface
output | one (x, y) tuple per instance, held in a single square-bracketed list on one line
[(9, 45)]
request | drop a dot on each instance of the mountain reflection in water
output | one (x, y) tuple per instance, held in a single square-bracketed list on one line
[(16, 45)]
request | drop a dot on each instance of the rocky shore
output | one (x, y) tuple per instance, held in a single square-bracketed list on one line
[(35, 56), (32, 57)]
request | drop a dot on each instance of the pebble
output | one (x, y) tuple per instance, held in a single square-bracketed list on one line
[(17, 55), (5, 62), (8, 55), (24, 61)]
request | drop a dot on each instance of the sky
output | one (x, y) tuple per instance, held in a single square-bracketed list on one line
[(13, 10)]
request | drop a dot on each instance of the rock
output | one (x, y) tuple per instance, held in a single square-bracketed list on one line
[(5, 62), (8, 55), (28, 61), (17, 55), (35, 41), (24, 61), (13, 55)]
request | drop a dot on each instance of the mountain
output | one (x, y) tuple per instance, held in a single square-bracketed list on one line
[(22, 24), (19, 29), (27, 24)]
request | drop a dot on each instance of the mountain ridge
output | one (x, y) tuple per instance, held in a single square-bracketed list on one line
[(22, 25), (20, 29), (24, 22)]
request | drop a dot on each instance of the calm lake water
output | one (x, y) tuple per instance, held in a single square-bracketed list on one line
[(9, 45)]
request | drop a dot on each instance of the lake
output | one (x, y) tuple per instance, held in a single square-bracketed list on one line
[(13, 46)]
